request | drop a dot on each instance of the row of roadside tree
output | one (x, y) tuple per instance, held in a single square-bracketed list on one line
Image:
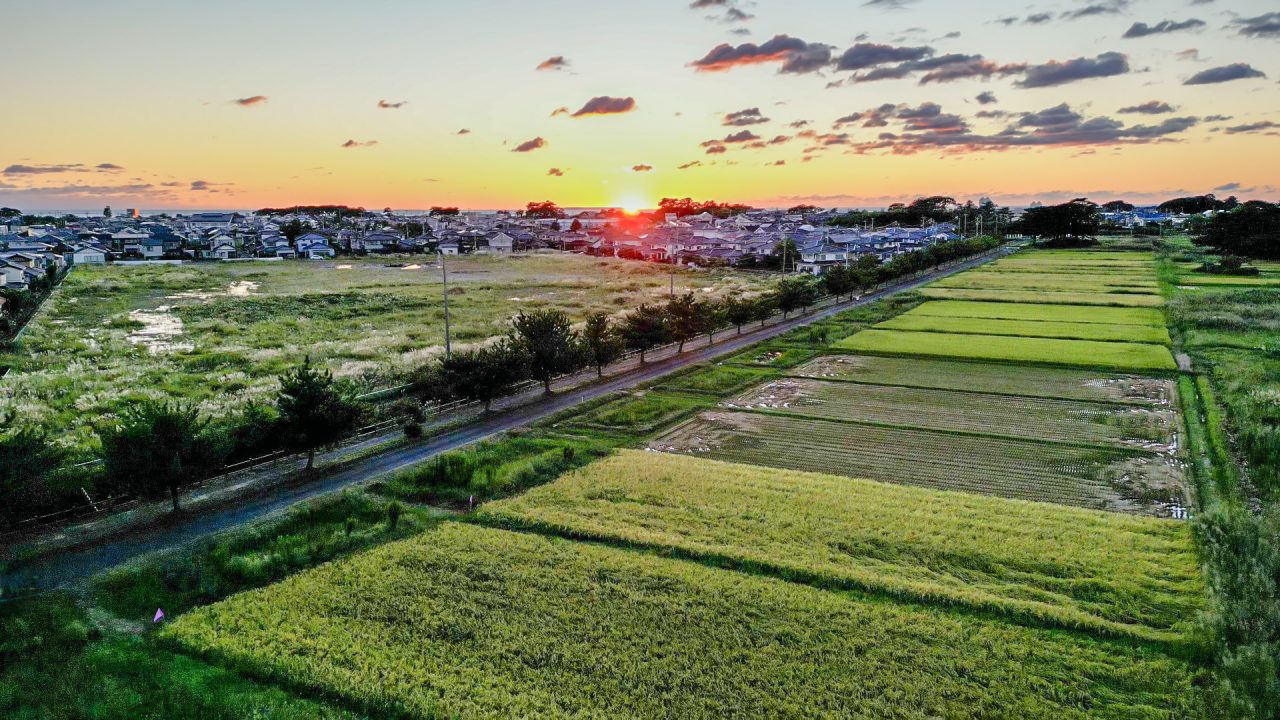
[(156, 447)]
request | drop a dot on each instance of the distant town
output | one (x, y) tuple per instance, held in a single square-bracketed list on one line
[(803, 238)]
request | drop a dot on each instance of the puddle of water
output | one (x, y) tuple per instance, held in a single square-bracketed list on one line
[(414, 266), (159, 332), (244, 288), (343, 267)]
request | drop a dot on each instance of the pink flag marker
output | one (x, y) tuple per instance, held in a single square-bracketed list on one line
[(159, 616)]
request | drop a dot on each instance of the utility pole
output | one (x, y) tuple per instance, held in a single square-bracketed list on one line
[(672, 292), (444, 269)]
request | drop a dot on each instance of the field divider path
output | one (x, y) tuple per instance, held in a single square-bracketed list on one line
[(66, 566)]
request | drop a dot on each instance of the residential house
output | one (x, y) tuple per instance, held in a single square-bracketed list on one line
[(314, 246), (89, 255)]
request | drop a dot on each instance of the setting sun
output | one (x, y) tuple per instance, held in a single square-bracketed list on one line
[(633, 204)]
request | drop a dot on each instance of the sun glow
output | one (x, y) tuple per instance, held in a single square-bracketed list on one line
[(632, 204)]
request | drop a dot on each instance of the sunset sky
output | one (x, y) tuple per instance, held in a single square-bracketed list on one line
[(239, 105)]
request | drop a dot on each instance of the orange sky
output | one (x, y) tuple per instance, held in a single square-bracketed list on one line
[(366, 108)]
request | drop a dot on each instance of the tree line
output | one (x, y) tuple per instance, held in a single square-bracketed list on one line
[(155, 447)]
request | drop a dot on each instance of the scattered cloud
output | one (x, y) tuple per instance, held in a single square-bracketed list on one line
[(530, 145), (1150, 107), (52, 169), (250, 101), (691, 164), (1108, 7), (1255, 127), (986, 98), (555, 172), (642, 167), (1225, 73), (926, 128), (463, 131), (797, 124), (1140, 29), (776, 163), (742, 118), (359, 144), (792, 54), (888, 4), (1190, 54), (867, 55), (1055, 73), (1266, 25), (605, 105), (562, 110), (387, 105), (1228, 187), (553, 63)]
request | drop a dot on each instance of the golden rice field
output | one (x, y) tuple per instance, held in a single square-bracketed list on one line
[(1045, 564), (465, 621)]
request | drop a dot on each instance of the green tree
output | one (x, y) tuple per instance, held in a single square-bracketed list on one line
[(739, 311), (315, 411), (645, 328), (294, 229), (548, 343), (685, 318), (838, 281), (484, 374), (1071, 223), (714, 315), (27, 459), (1250, 230), (546, 209), (784, 256), (158, 446), (600, 342), (793, 293)]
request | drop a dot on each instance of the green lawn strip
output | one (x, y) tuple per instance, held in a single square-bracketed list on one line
[(1072, 422), (1043, 564), (1084, 353), (640, 414), (718, 379), (1030, 328), (493, 468), (477, 622), (1052, 298), (1206, 279), (998, 378), (310, 533), (1150, 317), (55, 663), (1088, 477), (1050, 281)]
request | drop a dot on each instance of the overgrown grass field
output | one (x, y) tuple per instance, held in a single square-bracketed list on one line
[(219, 334)]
